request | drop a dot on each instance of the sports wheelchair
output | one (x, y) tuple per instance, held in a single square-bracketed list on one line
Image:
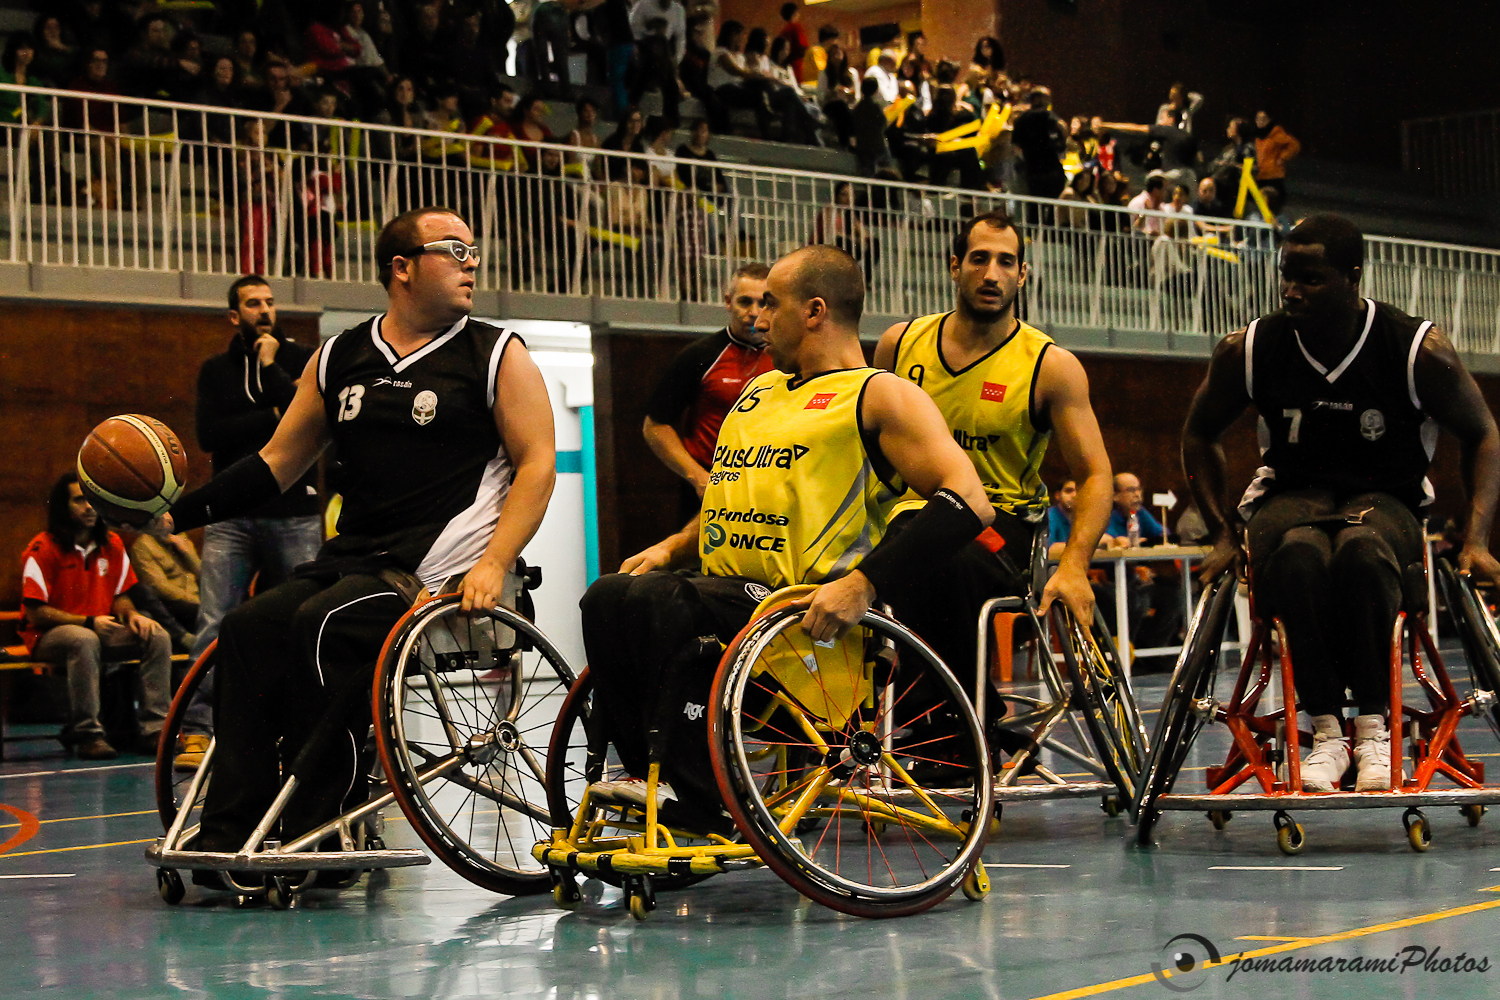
[(857, 771), (1267, 744), (1091, 694), (463, 705)]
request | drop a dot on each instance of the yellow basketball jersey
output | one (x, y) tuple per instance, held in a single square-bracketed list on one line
[(793, 495), (988, 406)]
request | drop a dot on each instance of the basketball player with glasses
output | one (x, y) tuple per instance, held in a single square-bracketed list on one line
[(443, 431)]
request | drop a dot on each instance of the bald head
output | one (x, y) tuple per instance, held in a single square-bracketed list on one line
[(1127, 491), (828, 273)]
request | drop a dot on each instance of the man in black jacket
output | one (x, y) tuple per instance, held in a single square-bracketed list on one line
[(242, 395)]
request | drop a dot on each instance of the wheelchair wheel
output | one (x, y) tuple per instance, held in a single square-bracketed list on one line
[(464, 707), (1180, 721), (1477, 632), (1104, 699), (172, 785), (874, 738)]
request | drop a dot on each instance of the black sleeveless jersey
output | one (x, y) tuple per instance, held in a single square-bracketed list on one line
[(422, 469), (1356, 428)]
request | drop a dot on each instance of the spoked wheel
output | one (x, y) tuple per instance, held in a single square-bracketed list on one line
[(464, 707), (1181, 718), (172, 785), (1104, 698), (574, 763), (871, 735), (1476, 630)]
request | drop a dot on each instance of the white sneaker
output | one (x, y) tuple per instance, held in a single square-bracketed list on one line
[(1372, 754), (1324, 766)]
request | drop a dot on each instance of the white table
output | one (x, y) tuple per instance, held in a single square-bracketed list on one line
[(1185, 556)]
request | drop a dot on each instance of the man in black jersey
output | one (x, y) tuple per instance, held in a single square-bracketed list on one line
[(444, 434), (1350, 394)]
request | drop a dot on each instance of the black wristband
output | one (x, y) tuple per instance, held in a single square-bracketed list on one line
[(940, 529), (238, 491)]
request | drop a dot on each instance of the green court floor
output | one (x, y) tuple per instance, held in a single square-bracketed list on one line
[(1076, 910)]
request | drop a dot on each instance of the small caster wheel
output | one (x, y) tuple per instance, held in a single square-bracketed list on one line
[(565, 890), (279, 893), (1473, 813), (638, 907), (1290, 837), (169, 885), (1111, 805), (1418, 832), (976, 884), (1220, 818), (375, 844), (875, 827), (642, 896)]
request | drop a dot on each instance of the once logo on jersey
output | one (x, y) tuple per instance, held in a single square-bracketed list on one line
[(762, 543), (1372, 425), (751, 516), (424, 407), (761, 457), (713, 536), (993, 391), (820, 401)]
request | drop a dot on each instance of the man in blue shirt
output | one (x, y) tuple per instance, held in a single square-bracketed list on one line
[(1060, 518), (1128, 509)]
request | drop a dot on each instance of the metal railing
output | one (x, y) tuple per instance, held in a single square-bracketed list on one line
[(126, 183), (1454, 154)]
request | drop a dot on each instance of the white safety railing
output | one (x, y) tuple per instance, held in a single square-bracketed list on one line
[(1454, 154), (126, 183)]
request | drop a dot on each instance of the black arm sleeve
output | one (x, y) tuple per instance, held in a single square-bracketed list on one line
[(238, 491), (683, 379), (940, 529)]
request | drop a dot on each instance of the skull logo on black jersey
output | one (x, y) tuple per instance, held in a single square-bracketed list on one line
[(424, 407)]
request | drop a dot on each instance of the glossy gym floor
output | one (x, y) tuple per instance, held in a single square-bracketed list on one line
[(1076, 910)]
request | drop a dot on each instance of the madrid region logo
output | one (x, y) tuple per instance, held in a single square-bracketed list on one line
[(1188, 958)]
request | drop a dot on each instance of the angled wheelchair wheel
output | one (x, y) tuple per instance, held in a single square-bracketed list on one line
[(857, 771), (171, 784), (464, 709), (1476, 630), (1181, 719), (1104, 698)]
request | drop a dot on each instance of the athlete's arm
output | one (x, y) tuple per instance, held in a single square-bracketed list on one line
[(1448, 393), (915, 439), (1062, 393), (666, 444), (1218, 403), (672, 552), (885, 351), (302, 433), (523, 416)]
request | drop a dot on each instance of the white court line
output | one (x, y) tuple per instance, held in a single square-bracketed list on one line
[(1277, 868), (58, 875), (991, 864), (79, 770)]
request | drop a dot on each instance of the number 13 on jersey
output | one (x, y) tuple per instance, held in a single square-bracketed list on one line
[(350, 400)]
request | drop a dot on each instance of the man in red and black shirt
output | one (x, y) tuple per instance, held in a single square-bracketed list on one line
[(702, 383), (74, 577)]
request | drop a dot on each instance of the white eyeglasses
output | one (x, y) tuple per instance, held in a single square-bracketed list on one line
[(460, 250)]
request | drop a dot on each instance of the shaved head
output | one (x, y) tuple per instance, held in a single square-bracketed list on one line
[(828, 273)]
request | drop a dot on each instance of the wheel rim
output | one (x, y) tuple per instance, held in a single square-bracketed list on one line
[(851, 791), (461, 696)]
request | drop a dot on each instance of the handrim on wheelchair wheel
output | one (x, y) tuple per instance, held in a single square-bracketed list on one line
[(464, 706), (857, 770)]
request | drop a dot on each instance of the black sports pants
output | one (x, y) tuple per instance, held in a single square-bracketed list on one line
[(652, 674), (285, 659), (1336, 587)]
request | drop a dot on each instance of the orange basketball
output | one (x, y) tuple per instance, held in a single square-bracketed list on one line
[(132, 468)]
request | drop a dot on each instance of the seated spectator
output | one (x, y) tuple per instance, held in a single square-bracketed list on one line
[(1131, 524), (657, 137), (151, 69), (251, 60), (16, 68), (989, 57), (1228, 166), (1041, 138), (357, 39), (692, 70), (529, 121), (498, 122), (803, 114), (583, 135), (219, 89), (403, 111), (705, 180), (916, 48), (626, 138), (815, 59), (793, 31), (1207, 202), (470, 64), (56, 58), (444, 117), (169, 565), (838, 90), (281, 99), (910, 72), (730, 82), (868, 125), (1274, 146), (1152, 199), (73, 581), (1060, 518), (1180, 108), (424, 59), (949, 113), (884, 75), (1083, 188)]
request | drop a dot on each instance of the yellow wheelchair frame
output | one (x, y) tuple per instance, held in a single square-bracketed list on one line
[(834, 697)]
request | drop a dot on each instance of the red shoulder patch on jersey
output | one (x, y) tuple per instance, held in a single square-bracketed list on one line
[(994, 391), (820, 401)]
